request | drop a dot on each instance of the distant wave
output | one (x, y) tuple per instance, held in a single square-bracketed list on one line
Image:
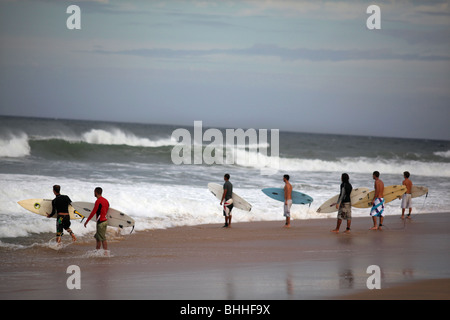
[(354, 165), (443, 154), (119, 137), (14, 146), (18, 145)]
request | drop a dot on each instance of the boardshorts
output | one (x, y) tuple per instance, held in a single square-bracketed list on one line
[(377, 208), (100, 235), (345, 211), (406, 201), (62, 222), (287, 208), (227, 207)]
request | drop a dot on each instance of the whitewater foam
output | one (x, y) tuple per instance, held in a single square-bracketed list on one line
[(443, 154), (14, 146), (120, 137)]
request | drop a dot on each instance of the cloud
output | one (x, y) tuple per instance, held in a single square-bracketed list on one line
[(285, 54)]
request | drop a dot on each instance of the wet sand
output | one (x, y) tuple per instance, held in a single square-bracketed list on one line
[(252, 260)]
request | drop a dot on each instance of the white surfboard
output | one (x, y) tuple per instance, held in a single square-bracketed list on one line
[(44, 207), (418, 191), (390, 193), (238, 202), (330, 205), (115, 217)]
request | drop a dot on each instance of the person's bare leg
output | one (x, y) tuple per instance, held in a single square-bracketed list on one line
[(338, 225)]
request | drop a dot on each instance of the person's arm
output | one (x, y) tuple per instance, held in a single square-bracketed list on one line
[(96, 207), (375, 195), (53, 210), (341, 197), (223, 195)]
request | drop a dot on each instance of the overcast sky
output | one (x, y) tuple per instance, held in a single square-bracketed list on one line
[(309, 66)]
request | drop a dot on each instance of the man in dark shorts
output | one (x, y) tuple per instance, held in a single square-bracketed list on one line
[(60, 206), (227, 200)]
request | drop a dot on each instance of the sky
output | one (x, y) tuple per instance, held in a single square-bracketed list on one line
[(305, 66)]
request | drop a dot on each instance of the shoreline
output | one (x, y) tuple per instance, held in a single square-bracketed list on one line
[(251, 260)]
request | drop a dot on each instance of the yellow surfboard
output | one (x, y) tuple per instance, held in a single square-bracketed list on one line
[(44, 207), (390, 193)]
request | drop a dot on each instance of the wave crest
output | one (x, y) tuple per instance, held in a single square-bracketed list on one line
[(14, 146), (119, 137), (443, 154)]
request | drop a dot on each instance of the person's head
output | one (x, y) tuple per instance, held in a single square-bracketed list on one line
[(345, 177), (286, 177), (376, 174), (226, 177), (98, 192), (406, 174), (56, 189)]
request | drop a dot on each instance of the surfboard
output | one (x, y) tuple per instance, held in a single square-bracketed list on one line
[(418, 191), (390, 193), (238, 202), (116, 218), (330, 205), (278, 194), (44, 207)]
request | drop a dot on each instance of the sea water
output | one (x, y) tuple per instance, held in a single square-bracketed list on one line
[(133, 165)]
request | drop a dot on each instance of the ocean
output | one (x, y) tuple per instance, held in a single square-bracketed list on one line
[(133, 165)]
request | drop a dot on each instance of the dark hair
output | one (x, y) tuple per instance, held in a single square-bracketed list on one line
[(376, 174), (98, 190), (345, 177), (406, 174), (226, 176), (286, 176), (57, 188)]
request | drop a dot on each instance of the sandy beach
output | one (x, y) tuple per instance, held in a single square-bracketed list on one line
[(251, 260)]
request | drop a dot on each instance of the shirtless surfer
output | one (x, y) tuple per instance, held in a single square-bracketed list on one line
[(406, 198), (287, 200), (377, 202)]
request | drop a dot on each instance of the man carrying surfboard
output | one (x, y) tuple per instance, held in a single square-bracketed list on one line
[(406, 198), (377, 202), (60, 206), (100, 209), (344, 204), (227, 197), (287, 200)]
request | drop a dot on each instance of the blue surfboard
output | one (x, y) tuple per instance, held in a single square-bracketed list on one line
[(278, 194)]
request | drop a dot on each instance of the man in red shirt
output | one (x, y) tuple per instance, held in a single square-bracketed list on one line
[(100, 209)]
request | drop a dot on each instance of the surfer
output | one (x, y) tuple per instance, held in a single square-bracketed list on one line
[(344, 204), (100, 209), (406, 198), (287, 200), (60, 206), (377, 202), (227, 200)]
